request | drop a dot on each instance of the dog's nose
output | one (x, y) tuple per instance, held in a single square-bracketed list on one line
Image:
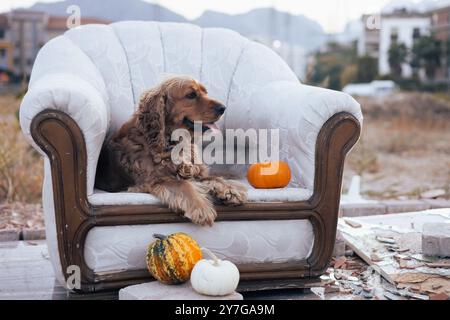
[(219, 109)]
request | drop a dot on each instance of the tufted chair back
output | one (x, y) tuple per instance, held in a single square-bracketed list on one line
[(96, 74), (130, 57)]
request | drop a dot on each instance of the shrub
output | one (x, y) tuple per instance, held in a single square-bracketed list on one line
[(21, 166)]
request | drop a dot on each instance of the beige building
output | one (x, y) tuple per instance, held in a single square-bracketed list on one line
[(440, 28), (6, 46), (369, 41), (27, 33), (22, 35)]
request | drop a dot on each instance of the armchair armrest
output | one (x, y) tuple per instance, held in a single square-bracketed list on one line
[(300, 112), (74, 96)]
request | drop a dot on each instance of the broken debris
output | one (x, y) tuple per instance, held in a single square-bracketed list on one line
[(392, 246)]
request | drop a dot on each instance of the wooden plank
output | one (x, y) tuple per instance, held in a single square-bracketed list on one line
[(378, 236), (363, 255), (27, 273)]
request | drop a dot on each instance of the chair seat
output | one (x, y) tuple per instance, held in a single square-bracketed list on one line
[(254, 195), (121, 248)]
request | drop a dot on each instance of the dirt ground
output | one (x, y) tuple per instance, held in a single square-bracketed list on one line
[(404, 151)]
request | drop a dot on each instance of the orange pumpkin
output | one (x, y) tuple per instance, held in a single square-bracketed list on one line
[(269, 175)]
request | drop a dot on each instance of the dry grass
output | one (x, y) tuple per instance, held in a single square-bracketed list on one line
[(21, 167), (405, 146)]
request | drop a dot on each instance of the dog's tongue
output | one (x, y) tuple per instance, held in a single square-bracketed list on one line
[(213, 127)]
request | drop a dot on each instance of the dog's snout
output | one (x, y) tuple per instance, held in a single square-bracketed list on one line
[(219, 109)]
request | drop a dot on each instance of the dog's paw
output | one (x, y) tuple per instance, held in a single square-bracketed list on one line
[(202, 215), (188, 171), (232, 193), (233, 197)]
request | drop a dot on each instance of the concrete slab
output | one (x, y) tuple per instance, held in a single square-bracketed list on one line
[(400, 206), (436, 239), (38, 234), (9, 235), (438, 203), (157, 291), (360, 210)]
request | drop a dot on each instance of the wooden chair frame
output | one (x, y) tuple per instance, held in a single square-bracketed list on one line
[(62, 140)]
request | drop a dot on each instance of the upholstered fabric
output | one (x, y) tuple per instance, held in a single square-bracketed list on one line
[(299, 112), (50, 222), (78, 98), (254, 195), (96, 73), (121, 248)]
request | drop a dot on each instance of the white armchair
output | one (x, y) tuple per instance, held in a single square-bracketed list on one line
[(87, 82)]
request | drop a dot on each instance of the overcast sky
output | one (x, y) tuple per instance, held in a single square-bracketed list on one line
[(331, 14)]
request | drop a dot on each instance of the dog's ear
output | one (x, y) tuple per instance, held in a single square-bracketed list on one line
[(152, 120)]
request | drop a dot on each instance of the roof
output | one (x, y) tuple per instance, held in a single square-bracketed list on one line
[(25, 14), (405, 14), (398, 5)]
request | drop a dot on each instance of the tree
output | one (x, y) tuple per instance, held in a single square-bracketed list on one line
[(426, 53), (367, 69), (397, 56), (329, 65), (349, 75)]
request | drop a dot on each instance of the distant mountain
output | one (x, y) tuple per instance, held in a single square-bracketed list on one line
[(261, 24), (352, 32), (268, 23), (112, 10)]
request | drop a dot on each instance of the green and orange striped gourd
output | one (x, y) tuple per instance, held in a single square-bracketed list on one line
[(170, 259)]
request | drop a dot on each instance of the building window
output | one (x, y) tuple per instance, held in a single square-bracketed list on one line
[(394, 35), (2, 33), (434, 19), (416, 33), (2, 53)]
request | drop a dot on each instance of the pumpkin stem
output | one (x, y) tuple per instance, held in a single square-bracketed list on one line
[(159, 236), (212, 255)]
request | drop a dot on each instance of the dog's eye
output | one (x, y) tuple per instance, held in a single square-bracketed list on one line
[(191, 95)]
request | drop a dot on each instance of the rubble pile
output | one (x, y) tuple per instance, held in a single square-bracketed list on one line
[(393, 247)]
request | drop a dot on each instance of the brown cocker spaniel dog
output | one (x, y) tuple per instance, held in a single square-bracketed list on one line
[(138, 158)]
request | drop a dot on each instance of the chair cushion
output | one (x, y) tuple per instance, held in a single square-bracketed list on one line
[(119, 248), (254, 195)]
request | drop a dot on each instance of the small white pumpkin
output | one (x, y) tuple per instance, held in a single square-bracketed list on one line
[(214, 277)]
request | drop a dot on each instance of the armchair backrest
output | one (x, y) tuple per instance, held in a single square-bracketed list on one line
[(133, 56)]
